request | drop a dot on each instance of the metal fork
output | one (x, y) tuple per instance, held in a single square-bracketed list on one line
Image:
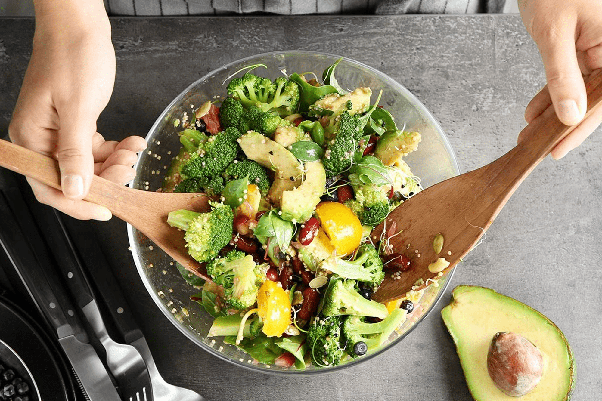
[(163, 391), (123, 361), (111, 295)]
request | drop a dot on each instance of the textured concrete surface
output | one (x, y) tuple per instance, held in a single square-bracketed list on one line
[(476, 74)]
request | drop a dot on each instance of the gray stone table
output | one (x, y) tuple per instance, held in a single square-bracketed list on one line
[(476, 74)]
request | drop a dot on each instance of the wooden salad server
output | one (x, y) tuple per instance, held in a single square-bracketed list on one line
[(462, 208), (145, 210)]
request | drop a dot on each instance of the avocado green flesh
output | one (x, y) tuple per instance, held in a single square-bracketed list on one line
[(476, 314), (299, 203)]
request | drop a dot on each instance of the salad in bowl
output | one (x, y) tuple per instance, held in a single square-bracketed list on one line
[(298, 169)]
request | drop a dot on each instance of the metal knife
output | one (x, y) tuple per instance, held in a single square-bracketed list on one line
[(123, 361), (31, 261), (111, 293)]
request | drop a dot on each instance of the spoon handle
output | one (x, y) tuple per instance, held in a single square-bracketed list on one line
[(29, 163)]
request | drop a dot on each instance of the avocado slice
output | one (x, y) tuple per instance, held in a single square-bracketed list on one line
[(299, 203), (394, 145), (272, 155), (476, 314)]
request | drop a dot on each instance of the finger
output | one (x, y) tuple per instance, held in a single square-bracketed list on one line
[(74, 154), (102, 149), (538, 105), (133, 143), (592, 59), (119, 174), (121, 156), (565, 81), (577, 136), (78, 209)]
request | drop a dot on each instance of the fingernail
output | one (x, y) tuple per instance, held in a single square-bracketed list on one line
[(73, 186), (568, 112), (104, 214)]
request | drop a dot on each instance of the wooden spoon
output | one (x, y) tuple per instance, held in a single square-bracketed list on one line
[(462, 208), (147, 211)]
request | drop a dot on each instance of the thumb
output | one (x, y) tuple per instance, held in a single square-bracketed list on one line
[(74, 154), (565, 81)]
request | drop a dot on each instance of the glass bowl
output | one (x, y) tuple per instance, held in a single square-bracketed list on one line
[(433, 162)]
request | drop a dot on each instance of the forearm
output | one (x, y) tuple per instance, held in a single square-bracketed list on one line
[(87, 16)]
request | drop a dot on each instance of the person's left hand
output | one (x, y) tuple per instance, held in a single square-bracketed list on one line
[(569, 36)]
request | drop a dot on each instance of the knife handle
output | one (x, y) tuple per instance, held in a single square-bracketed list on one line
[(62, 250), (27, 253), (109, 290)]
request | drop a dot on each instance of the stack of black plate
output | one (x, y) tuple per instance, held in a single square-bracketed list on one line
[(33, 355)]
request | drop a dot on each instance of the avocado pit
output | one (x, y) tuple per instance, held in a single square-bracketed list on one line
[(514, 363)]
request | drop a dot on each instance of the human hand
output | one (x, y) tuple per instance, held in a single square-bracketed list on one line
[(68, 83), (569, 36)]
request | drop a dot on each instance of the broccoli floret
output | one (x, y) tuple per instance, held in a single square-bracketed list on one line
[(265, 122), (342, 298), (252, 170), (339, 152), (251, 118), (240, 276), (324, 340), (366, 267), (231, 114), (285, 99), (356, 330), (206, 233), (371, 205), (281, 96), (211, 186), (251, 90), (214, 155)]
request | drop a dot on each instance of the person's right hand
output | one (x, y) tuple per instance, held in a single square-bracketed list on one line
[(68, 83), (568, 34)]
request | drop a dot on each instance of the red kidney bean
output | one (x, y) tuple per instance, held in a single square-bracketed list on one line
[(241, 224), (311, 299), (344, 193), (286, 360), (397, 262), (286, 277), (259, 214), (297, 265), (371, 146), (245, 244), (272, 274), (309, 229), (306, 276)]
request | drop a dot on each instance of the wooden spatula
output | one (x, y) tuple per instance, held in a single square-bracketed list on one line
[(462, 208), (147, 211)]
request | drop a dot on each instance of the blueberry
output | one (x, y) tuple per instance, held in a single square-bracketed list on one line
[(330, 196), (21, 386), (8, 375), (8, 390), (407, 305), (360, 348)]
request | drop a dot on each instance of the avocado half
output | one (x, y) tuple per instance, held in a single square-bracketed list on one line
[(476, 314)]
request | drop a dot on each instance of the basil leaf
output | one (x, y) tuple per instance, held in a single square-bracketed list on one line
[(264, 228), (261, 348), (307, 151), (370, 170), (234, 192), (296, 346), (190, 277), (381, 121), (283, 231), (309, 94), (329, 79), (208, 300), (270, 225)]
